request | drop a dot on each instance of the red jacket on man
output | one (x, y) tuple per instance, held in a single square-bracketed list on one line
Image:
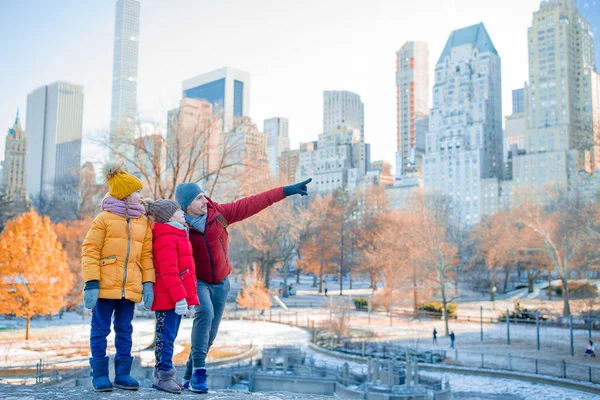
[(175, 268), (211, 250)]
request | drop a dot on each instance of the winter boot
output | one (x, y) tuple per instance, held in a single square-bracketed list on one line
[(99, 374), (122, 378), (165, 381), (198, 382)]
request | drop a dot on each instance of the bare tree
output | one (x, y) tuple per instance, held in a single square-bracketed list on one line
[(439, 253), (563, 230), (192, 149)]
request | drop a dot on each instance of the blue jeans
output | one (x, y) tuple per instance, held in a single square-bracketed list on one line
[(102, 314), (167, 326), (206, 322)]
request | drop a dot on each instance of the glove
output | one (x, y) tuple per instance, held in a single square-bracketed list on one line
[(90, 298), (297, 188), (147, 295), (181, 307)]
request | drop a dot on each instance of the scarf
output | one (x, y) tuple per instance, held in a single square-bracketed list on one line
[(198, 223), (117, 206), (179, 226)]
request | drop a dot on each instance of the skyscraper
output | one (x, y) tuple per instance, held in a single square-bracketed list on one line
[(464, 143), (518, 101), (13, 181), (227, 89), (412, 105), (590, 11), (278, 140), (341, 107), (194, 134), (54, 130), (558, 106), (125, 76)]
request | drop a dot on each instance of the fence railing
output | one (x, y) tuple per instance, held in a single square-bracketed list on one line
[(504, 362), (44, 372)]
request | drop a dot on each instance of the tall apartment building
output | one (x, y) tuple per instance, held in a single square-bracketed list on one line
[(561, 134), (590, 11), (514, 127), (518, 101), (150, 155), (278, 140), (412, 106), (125, 77), (13, 182), (227, 89), (464, 143), (194, 145), (341, 107), (287, 164), (338, 160), (54, 129), (247, 155)]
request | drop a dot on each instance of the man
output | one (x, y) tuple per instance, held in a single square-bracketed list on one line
[(208, 221)]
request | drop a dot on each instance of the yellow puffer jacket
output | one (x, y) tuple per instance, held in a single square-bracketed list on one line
[(106, 249)]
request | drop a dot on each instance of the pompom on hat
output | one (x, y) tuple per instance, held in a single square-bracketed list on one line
[(121, 184)]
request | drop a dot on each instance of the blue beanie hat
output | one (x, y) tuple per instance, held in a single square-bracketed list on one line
[(185, 193)]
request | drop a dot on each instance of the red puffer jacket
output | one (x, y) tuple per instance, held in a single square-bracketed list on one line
[(211, 250), (175, 269)]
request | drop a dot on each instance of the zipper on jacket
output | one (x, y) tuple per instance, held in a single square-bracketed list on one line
[(210, 260), (126, 259), (224, 254), (184, 272)]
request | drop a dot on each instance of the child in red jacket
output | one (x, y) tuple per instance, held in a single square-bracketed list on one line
[(175, 287)]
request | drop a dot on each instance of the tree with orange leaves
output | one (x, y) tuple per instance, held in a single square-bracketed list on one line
[(319, 255), (497, 240), (71, 235), (33, 267), (563, 230), (253, 294), (434, 233)]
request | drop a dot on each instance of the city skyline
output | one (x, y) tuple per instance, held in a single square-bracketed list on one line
[(324, 67)]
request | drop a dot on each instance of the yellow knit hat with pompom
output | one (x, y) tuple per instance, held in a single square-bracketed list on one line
[(121, 184)]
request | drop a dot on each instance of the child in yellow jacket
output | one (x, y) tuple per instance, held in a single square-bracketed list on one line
[(118, 272)]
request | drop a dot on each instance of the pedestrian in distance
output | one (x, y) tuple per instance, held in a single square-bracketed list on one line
[(116, 259), (452, 337), (435, 336), (590, 349), (325, 292), (208, 221), (175, 287)]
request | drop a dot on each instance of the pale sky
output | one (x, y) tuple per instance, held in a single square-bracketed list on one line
[(293, 51)]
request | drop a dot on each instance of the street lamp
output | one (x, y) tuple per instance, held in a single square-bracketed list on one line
[(494, 297)]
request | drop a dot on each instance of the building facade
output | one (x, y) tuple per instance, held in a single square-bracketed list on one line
[(341, 107), (194, 141), (337, 160), (278, 140), (125, 77), (54, 129), (13, 182), (464, 143), (227, 89), (518, 101), (590, 11), (288, 165), (247, 160), (412, 106)]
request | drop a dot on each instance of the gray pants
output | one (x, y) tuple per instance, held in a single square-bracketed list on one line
[(206, 322)]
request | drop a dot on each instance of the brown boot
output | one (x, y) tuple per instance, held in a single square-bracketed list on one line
[(165, 381)]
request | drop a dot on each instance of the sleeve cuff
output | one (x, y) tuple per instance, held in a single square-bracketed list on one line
[(92, 285)]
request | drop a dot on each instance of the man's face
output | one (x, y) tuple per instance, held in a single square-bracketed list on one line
[(198, 206)]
